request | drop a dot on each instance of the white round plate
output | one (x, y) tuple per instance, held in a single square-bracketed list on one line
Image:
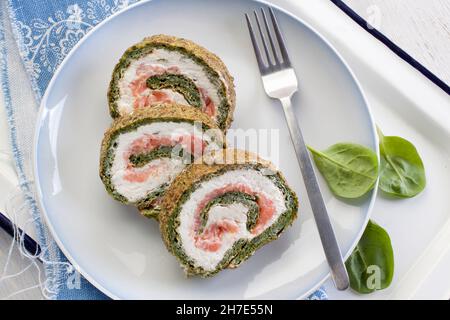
[(121, 252)]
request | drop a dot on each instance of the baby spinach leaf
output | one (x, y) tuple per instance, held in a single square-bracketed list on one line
[(370, 267), (402, 173), (349, 169)]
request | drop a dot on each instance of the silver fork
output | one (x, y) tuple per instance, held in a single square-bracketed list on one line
[(280, 82)]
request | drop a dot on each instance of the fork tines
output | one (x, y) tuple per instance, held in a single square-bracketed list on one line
[(274, 55)]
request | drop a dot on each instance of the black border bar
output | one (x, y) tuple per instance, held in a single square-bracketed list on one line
[(30, 245)]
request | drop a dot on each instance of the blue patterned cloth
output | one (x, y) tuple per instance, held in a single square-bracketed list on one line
[(48, 30), (35, 37)]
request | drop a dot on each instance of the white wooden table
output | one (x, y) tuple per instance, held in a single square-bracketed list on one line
[(421, 27)]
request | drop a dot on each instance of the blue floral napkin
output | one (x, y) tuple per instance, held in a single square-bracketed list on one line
[(35, 37)]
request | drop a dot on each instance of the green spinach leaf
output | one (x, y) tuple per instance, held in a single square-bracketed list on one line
[(402, 172), (349, 169), (371, 265)]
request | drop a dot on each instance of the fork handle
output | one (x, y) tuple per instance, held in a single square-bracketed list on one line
[(327, 236)]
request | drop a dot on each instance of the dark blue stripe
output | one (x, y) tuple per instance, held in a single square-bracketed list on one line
[(391, 45), (30, 245)]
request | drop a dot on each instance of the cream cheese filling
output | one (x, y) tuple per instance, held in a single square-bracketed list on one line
[(235, 212)]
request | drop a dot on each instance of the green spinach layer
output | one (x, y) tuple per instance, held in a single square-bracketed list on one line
[(179, 83)]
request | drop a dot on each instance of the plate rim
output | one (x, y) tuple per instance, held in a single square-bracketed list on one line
[(38, 126)]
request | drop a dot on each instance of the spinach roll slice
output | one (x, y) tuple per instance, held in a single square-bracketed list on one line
[(142, 153), (217, 213), (168, 69)]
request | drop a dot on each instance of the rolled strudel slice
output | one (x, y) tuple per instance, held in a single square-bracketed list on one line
[(142, 153), (217, 214), (168, 69)]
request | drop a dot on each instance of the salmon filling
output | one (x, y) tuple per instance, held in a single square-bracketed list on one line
[(211, 238), (146, 144), (145, 97)]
